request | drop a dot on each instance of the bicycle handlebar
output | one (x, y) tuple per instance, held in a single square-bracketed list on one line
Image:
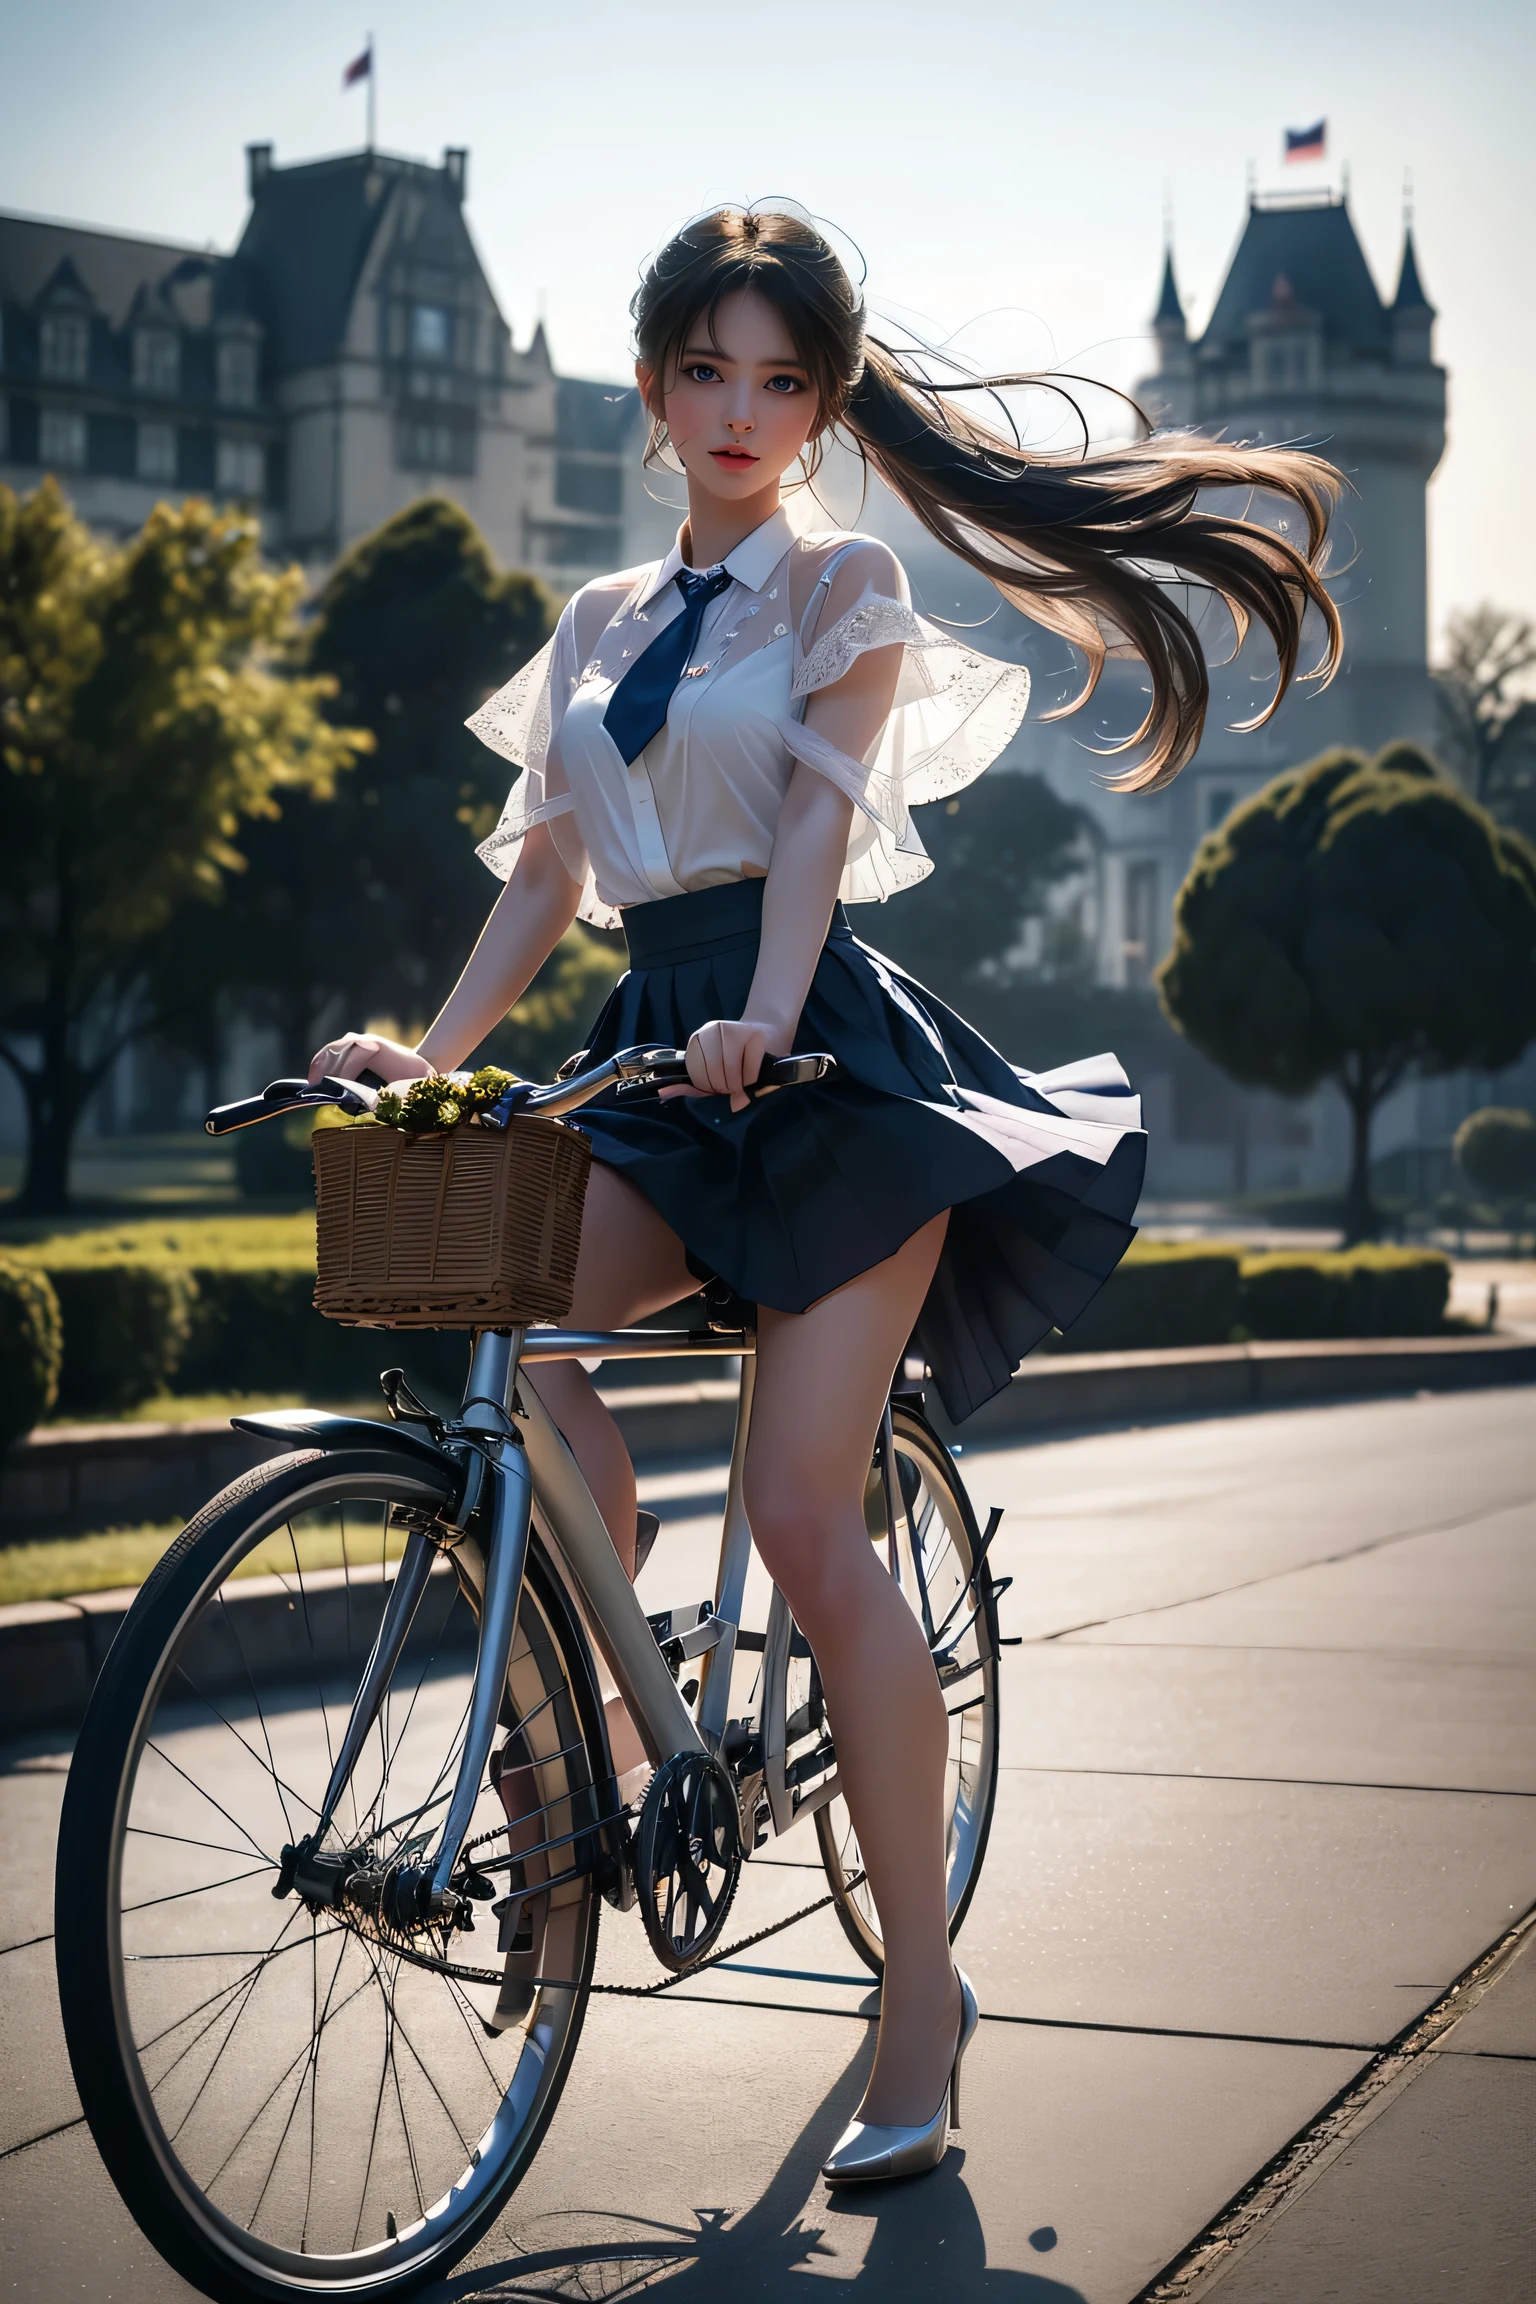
[(638, 1070)]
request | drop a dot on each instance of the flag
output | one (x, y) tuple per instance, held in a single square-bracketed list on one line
[(1306, 143), (360, 68)]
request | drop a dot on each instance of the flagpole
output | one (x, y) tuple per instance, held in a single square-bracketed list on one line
[(373, 81)]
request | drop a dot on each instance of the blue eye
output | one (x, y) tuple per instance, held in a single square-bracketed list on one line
[(702, 373), (784, 385)]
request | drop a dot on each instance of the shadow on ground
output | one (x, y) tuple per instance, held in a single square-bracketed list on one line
[(908, 2241)]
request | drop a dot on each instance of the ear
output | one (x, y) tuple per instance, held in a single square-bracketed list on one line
[(649, 385)]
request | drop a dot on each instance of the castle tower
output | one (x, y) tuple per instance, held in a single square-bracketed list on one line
[(1301, 349)]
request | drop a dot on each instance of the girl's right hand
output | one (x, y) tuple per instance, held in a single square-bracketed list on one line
[(355, 1052)]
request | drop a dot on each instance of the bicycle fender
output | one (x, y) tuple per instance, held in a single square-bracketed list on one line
[(315, 1428)]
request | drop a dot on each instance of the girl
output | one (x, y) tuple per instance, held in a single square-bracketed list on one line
[(718, 752)]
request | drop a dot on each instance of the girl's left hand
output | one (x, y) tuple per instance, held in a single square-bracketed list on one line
[(724, 1059)]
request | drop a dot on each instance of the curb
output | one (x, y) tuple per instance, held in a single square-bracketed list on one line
[(52, 1650), (75, 1478)]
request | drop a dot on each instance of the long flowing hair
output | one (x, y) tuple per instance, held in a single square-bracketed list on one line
[(1092, 546)]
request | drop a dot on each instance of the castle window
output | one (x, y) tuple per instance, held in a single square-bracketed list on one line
[(241, 469), (237, 372), (61, 440), (435, 443), (65, 347), (430, 332), (1218, 806), (156, 457), (156, 360), (581, 486)]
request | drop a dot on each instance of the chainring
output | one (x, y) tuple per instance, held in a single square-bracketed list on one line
[(687, 1857)]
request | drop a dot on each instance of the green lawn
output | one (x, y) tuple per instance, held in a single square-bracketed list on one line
[(63, 1566)]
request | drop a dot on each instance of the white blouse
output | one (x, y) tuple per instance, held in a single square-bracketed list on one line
[(700, 805)]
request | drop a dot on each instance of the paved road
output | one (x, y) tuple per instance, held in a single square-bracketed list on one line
[(1268, 1787)]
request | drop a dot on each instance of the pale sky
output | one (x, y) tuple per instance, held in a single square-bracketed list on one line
[(1003, 167)]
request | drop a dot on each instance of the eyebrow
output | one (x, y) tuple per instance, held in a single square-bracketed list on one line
[(713, 352)]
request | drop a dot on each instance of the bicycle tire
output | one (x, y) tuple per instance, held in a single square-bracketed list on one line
[(139, 1704), (971, 1786)]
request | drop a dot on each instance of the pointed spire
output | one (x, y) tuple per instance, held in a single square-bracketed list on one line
[(1168, 306), (1410, 295)]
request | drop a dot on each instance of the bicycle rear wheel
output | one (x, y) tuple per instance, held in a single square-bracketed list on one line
[(290, 2102), (939, 1548)]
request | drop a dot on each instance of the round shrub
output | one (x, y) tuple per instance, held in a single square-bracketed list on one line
[(125, 1327), (1496, 1152), (31, 1349)]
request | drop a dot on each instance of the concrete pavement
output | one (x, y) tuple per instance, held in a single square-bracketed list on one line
[(1268, 1788)]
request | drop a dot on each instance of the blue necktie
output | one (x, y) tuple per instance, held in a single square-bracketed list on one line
[(637, 709)]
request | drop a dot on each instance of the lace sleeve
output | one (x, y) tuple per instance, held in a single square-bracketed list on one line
[(521, 722), (874, 623)]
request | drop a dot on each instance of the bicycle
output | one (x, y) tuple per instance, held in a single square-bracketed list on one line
[(368, 1681)]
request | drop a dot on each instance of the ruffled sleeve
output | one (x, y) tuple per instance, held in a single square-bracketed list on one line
[(521, 722), (953, 712)]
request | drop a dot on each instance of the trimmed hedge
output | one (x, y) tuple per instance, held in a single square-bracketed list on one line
[(1171, 1293), (1163, 1294), (224, 1305), (1357, 1292), (125, 1326), (31, 1349)]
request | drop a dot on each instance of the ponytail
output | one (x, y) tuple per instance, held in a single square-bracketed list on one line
[(1088, 548)]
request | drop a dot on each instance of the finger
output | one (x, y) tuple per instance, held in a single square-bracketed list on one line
[(711, 1038), (698, 1069), (753, 1053), (670, 1095), (323, 1063)]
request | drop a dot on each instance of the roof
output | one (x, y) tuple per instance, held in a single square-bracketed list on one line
[(1410, 295), (307, 239), (1168, 305), (112, 267), (1314, 249), (593, 416)]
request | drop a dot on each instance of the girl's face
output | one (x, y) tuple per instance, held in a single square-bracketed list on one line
[(740, 408)]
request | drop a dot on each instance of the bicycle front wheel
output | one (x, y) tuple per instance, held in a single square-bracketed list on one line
[(950, 1589), (290, 2101)]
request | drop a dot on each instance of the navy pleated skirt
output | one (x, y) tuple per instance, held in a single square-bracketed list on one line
[(809, 1187)]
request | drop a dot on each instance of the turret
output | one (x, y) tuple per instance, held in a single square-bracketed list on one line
[(1171, 387), (1413, 315)]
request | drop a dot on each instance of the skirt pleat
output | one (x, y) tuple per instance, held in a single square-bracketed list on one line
[(811, 1186)]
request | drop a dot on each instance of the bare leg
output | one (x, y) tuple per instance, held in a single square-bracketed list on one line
[(631, 1263), (821, 1384)]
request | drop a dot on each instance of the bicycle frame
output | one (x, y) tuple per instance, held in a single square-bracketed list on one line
[(532, 1466)]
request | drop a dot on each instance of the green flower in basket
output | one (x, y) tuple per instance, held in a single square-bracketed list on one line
[(442, 1101)]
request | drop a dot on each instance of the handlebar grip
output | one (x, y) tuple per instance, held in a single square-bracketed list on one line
[(280, 1096)]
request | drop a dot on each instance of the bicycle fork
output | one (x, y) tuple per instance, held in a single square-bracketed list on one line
[(411, 1895)]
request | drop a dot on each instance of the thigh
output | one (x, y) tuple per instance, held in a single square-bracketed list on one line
[(631, 1262), (823, 1375)]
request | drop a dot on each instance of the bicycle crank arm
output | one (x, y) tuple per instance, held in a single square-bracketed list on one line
[(506, 1561)]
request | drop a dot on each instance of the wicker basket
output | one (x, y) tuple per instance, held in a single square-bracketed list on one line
[(473, 1229)]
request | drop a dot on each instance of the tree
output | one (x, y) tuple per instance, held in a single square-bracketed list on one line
[(1355, 918), (367, 902), (1487, 714), (146, 711), (1496, 1152), (998, 849)]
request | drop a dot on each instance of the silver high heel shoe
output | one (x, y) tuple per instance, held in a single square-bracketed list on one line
[(867, 2153)]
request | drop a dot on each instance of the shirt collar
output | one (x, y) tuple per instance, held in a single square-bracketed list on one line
[(751, 563)]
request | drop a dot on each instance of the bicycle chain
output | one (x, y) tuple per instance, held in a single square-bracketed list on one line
[(462, 1973)]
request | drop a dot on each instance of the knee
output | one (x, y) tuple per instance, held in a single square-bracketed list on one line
[(802, 1541)]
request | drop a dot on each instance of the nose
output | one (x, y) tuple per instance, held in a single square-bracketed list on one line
[(741, 423)]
